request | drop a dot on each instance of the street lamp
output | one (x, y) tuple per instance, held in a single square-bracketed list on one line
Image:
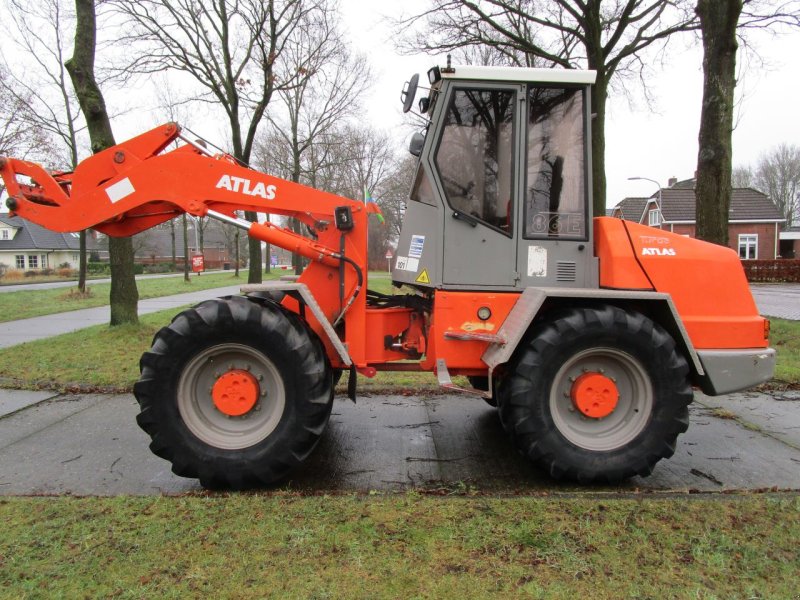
[(658, 197)]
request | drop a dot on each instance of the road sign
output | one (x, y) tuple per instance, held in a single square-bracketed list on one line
[(389, 255), (198, 265)]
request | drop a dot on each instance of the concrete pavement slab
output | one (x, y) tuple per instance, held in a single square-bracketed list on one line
[(27, 330), (777, 415), (91, 445), (86, 445), (13, 400)]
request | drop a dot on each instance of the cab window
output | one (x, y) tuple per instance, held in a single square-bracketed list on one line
[(555, 193), (422, 191), (475, 155)]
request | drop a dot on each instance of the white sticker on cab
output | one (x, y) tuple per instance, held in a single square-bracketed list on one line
[(537, 261)]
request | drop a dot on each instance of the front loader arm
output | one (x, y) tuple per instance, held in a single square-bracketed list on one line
[(136, 185)]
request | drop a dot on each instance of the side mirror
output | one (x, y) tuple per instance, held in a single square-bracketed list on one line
[(409, 92), (415, 146)]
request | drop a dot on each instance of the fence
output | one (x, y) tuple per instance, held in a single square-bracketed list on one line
[(772, 271)]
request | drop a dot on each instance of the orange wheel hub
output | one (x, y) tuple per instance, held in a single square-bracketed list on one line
[(235, 393), (594, 395)]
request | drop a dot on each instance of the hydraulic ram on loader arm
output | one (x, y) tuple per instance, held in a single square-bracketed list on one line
[(136, 185)]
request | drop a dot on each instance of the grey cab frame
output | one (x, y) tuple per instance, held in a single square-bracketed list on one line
[(472, 220)]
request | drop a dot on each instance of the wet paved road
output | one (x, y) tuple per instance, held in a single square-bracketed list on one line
[(778, 300), (91, 445)]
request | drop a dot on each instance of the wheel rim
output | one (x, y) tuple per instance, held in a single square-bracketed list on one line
[(213, 422), (629, 413)]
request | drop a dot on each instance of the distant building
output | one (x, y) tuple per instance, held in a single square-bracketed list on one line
[(754, 222), (790, 242), (28, 247)]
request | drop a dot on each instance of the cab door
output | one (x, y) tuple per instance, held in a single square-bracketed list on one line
[(477, 163), (555, 241)]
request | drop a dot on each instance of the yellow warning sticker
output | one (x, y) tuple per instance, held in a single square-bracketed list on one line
[(423, 277)]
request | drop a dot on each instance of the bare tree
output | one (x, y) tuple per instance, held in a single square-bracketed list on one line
[(124, 296), (720, 23), (41, 34), (742, 177), (233, 50), (306, 112), (606, 37), (18, 137), (777, 174)]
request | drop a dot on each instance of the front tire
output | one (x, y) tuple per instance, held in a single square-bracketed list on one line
[(234, 392), (596, 395)]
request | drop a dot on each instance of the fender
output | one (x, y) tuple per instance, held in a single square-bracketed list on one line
[(531, 301)]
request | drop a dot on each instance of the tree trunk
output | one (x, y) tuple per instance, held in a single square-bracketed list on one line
[(718, 21), (267, 260), (124, 296), (185, 249), (236, 237), (82, 262), (254, 246), (174, 249), (598, 129), (123, 282)]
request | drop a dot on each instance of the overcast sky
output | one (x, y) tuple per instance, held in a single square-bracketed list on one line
[(656, 142)]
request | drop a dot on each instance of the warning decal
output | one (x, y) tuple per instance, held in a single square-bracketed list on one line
[(423, 277)]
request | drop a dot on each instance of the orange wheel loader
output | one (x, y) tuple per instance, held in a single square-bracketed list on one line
[(588, 334)]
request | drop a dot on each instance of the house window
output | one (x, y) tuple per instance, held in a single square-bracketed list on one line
[(654, 218), (20, 261), (5, 234), (44, 261), (748, 246), (33, 261)]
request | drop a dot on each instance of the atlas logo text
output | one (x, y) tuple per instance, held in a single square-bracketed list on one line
[(246, 187), (658, 252)]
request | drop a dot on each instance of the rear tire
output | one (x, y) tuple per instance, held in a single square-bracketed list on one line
[(537, 397), (293, 394)]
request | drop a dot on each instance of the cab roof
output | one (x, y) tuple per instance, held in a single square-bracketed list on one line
[(520, 74)]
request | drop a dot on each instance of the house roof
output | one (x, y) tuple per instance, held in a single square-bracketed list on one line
[(34, 237), (631, 209), (678, 205)]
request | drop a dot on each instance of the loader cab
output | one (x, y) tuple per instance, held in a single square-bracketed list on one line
[(501, 196)]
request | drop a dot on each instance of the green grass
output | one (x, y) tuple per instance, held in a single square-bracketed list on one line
[(35, 303), (407, 546), (785, 338)]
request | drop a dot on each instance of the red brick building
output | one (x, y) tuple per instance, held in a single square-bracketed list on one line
[(754, 222)]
